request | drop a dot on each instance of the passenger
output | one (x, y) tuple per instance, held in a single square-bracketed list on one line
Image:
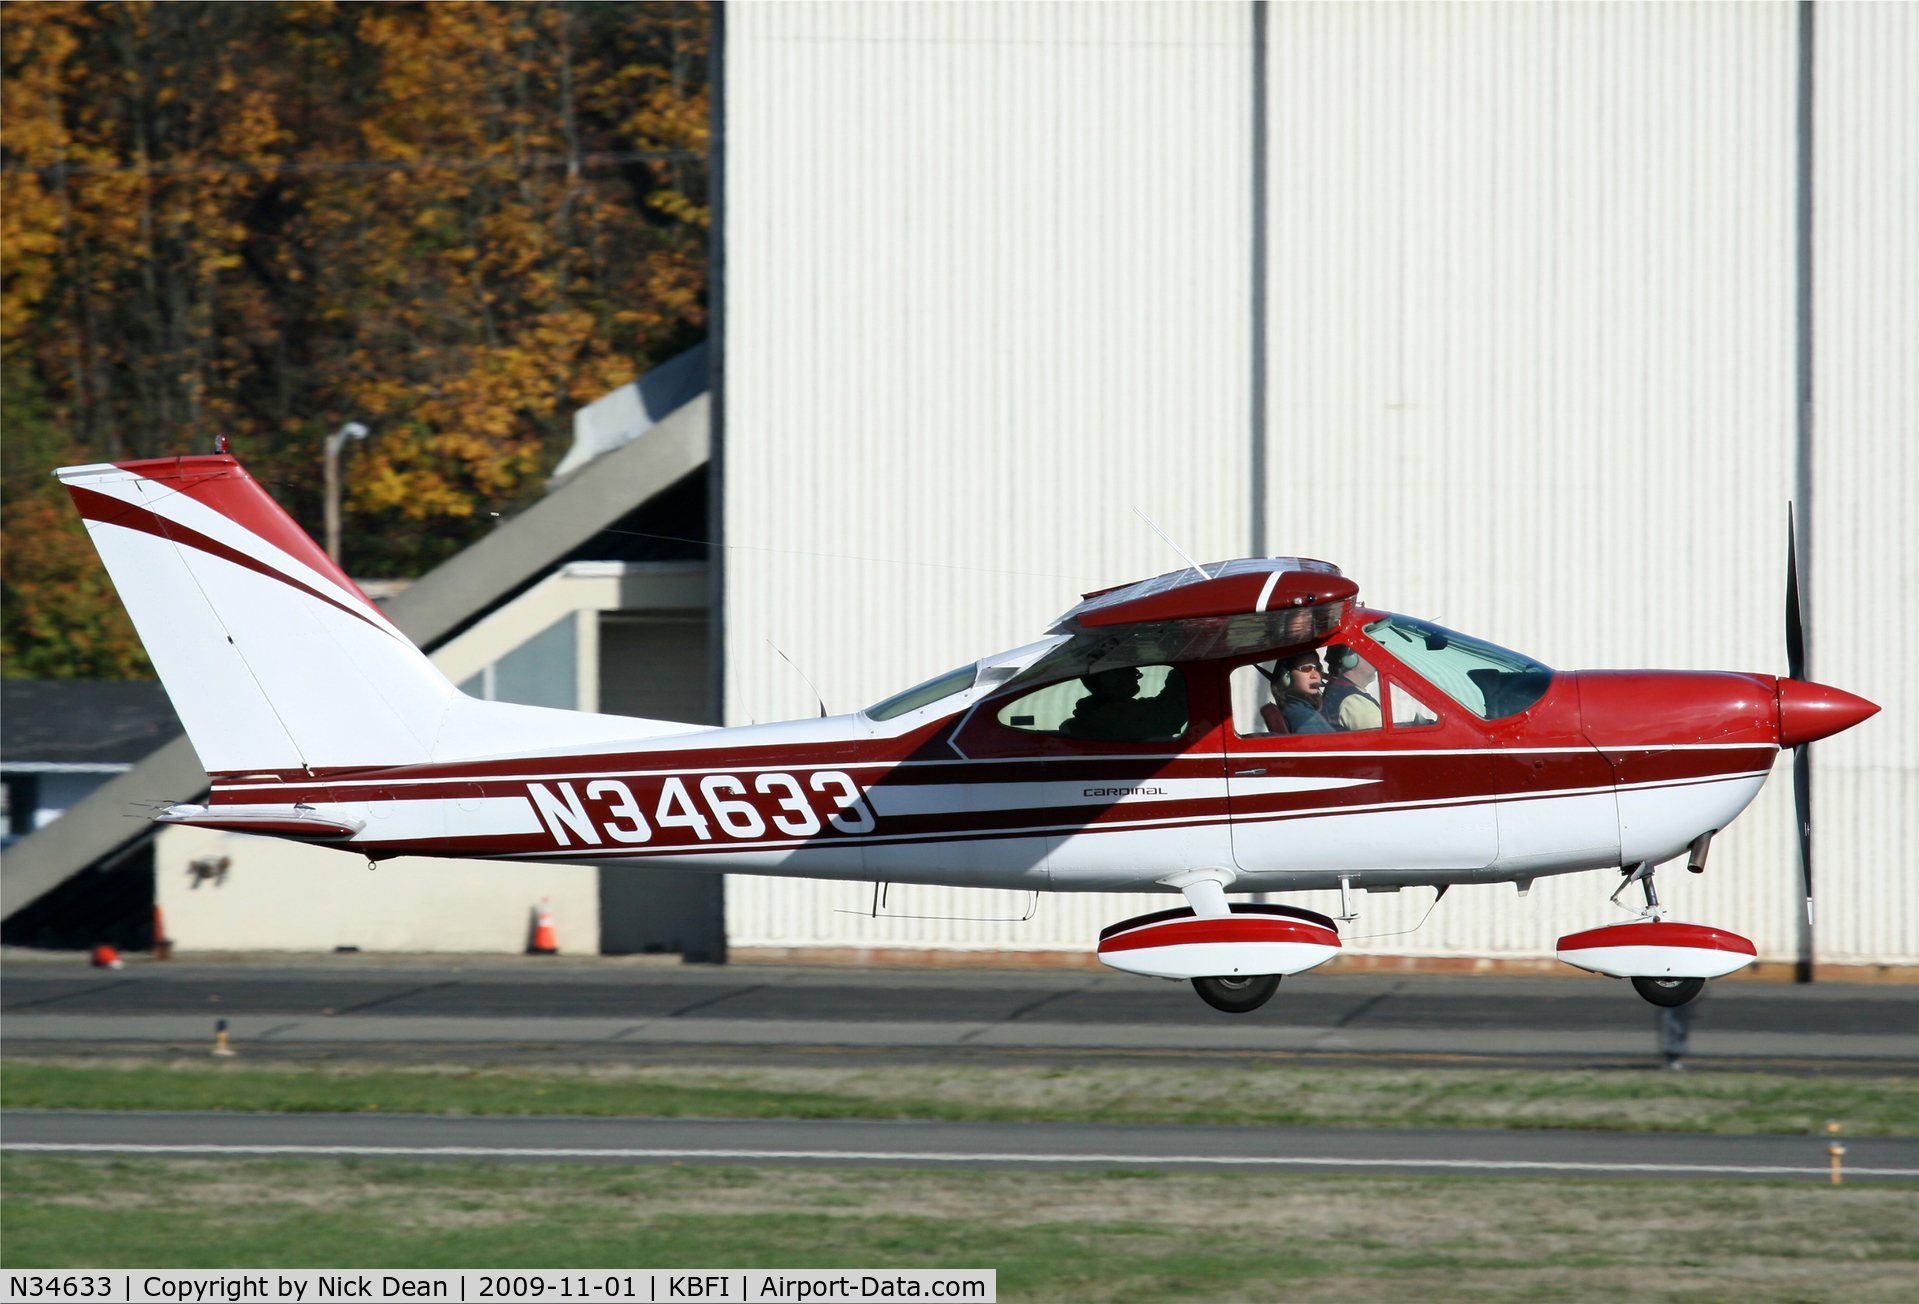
[(1304, 683), (1113, 712), (1349, 704)]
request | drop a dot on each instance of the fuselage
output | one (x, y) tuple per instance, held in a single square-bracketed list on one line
[(1600, 769)]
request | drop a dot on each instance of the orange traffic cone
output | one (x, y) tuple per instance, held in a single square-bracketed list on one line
[(545, 940), (162, 944), (105, 957)]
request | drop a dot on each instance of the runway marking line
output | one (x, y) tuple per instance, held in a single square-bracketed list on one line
[(932, 1156)]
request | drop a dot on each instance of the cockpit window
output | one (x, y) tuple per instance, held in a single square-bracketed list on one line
[(1134, 704), (1300, 694), (1487, 680), (957, 681)]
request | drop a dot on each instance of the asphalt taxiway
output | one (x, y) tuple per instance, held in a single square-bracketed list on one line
[(530, 1007)]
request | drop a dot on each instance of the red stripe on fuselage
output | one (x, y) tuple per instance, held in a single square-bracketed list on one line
[(1418, 785)]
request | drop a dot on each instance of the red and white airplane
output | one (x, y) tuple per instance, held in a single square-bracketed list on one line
[(1245, 727)]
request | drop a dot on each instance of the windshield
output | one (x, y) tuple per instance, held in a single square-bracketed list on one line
[(957, 681), (1487, 680)]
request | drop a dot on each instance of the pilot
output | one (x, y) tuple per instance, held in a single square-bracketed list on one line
[(1113, 712), (1348, 703), (1304, 682)]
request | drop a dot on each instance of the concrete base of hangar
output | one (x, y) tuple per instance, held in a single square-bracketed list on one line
[(228, 892), (232, 892)]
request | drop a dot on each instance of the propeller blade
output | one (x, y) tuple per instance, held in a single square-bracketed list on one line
[(1801, 757), (1802, 813), (1795, 617)]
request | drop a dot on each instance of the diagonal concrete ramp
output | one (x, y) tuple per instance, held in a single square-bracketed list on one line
[(116, 815)]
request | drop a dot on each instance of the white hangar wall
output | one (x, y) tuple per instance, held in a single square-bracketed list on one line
[(987, 278), (986, 292), (1532, 331), (1865, 474), (1530, 371)]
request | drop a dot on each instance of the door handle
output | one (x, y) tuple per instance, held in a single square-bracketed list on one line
[(1260, 770)]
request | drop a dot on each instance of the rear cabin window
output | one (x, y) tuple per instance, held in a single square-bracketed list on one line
[(933, 690), (1134, 704)]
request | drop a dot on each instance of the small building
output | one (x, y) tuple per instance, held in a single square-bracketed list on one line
[(594, 598), (62, 738)]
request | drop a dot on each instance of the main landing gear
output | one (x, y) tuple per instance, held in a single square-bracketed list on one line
[(1234, 953), (1237, 995)]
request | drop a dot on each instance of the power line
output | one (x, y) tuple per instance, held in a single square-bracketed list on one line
[(840, 556)]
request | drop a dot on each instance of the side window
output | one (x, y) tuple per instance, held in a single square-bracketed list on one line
[(1256, 709), (1300, 693), (933, 690), (1409, 712), (1134, 704)]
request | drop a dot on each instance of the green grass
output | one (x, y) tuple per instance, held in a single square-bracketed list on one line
[(34, 1086), (1144, 1236), (1618, 1100)]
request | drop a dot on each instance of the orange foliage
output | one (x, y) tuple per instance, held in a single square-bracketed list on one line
[(454, 222)]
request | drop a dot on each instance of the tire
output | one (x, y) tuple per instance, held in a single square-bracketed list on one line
[(1668, 993), (1237, 995)]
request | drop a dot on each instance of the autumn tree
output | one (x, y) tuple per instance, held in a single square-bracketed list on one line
[(454, 222)]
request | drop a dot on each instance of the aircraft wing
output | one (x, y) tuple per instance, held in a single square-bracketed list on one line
[(1253, 605)]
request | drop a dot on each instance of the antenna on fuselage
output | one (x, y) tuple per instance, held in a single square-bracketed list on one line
[(802, 674), (1183, 554)]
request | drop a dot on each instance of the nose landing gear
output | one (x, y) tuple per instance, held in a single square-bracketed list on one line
[(1668, 962), (1669, 993)]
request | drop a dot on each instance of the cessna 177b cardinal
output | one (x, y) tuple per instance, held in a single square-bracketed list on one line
[(1248, 728)]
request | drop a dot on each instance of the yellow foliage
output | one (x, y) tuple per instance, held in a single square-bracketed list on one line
[(454, 222)]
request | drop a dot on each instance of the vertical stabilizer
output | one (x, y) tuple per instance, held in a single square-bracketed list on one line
[(273, 658)]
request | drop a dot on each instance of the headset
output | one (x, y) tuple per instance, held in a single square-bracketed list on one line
[(1340, 658), (1282, 680)]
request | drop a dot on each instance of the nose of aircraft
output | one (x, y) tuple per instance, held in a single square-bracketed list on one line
[(1809, 712)]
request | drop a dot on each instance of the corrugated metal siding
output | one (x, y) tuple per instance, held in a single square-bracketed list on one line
[(1530, 373), (1865, 565), (987, 286), (1532, 355)]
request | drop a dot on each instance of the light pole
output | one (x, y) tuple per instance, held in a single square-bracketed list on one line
[(351, 430)]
